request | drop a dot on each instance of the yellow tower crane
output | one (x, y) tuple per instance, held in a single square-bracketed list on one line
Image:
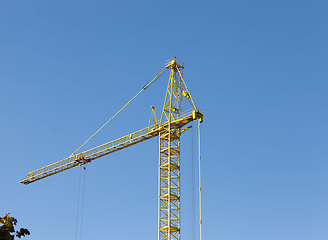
[(171, 125)]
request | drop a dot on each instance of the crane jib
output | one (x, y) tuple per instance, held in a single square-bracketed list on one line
[(107, 148)]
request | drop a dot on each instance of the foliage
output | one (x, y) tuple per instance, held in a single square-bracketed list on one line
[(7, 228)]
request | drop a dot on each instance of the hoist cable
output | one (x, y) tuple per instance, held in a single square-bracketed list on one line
[(78, 204), (82, 205), (143, 88), (192, 187), (200, 186)]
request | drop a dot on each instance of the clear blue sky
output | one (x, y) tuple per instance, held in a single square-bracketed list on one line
[(257, 69)]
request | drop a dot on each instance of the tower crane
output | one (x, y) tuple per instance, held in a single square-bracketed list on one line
[(169, 128)]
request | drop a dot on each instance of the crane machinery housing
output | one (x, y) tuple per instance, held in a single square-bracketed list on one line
[(169, 128)]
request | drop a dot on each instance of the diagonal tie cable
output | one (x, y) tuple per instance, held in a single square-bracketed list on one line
[(143, 88)]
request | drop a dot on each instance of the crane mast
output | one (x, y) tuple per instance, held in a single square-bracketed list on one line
[(169, 160), (169, 130)]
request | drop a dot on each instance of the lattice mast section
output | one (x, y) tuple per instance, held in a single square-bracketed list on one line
[(169, 159)]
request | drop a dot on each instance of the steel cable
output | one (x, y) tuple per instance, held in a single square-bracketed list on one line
[(82, 205), (78, 204), (143, 88), (192, 188)]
